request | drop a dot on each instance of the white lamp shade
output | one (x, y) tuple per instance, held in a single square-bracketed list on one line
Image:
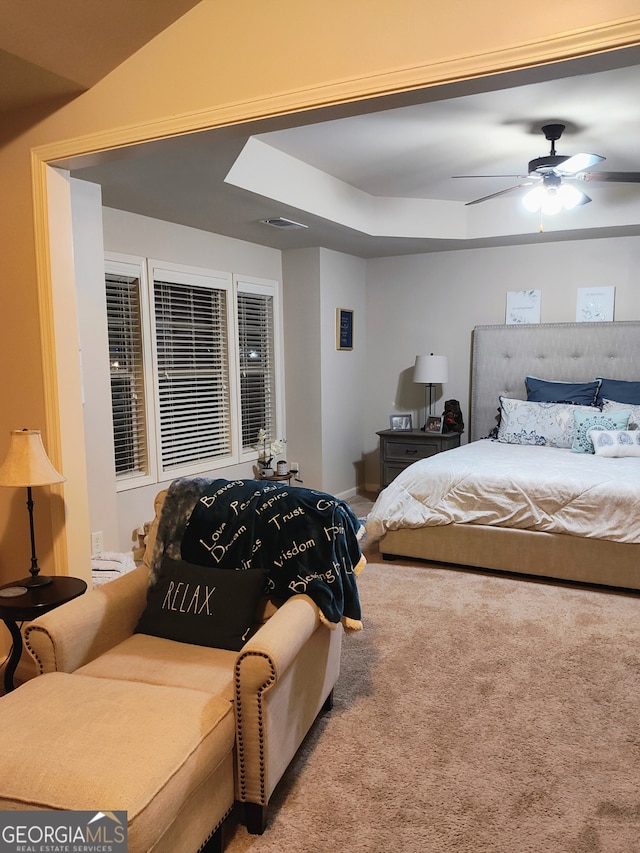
[(431, 369), (27, 463)]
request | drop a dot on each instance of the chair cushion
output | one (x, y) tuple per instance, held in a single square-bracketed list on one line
[(154, 660), (115, 745)]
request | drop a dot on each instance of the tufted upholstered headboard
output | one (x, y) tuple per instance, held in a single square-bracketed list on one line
[(574, 352)]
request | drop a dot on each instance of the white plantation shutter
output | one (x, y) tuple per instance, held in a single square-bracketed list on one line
[(257, 365), (124, 323), (192, 373)]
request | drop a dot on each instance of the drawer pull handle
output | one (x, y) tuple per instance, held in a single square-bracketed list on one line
[(411, 451)]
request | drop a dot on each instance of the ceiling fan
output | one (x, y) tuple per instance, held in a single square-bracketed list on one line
[(549, 178)]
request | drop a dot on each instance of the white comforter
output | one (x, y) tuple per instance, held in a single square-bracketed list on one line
[(534, 488)]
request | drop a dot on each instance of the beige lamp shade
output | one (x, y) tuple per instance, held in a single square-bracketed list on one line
[(27, 463), (431, 369)]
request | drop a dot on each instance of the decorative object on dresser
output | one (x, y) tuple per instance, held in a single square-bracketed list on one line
[(399, 449), (430, 370), (27, 464), (401, 423)]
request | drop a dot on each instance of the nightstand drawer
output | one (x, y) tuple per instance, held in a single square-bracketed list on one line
[(399, 449), (410, 450)]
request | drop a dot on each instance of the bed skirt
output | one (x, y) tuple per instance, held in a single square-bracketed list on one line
[(550, 555)]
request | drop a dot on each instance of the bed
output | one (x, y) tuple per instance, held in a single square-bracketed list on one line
[(565, 533)]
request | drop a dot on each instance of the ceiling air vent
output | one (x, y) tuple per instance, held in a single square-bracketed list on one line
[(281, 222)]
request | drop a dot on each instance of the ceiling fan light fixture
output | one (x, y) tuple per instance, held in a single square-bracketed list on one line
[(569, 196), (533, 199), (551, 199)]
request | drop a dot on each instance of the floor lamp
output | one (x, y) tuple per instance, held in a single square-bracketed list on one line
[(430, 370), (27, 464)]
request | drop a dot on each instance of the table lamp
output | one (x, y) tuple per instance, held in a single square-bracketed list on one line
[(27, 464), (430, 370)]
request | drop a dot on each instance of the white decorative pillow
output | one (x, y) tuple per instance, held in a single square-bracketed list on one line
[(612, 406), (545, 424), (616, 442), (586, 422)]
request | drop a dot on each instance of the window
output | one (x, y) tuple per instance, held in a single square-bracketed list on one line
[(126, 364), (194, 399), (193, 384), (256, 356)]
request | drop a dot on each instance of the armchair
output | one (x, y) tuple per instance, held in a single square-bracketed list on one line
[(277, 683)]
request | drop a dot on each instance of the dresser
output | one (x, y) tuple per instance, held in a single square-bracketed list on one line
[(398, 449)]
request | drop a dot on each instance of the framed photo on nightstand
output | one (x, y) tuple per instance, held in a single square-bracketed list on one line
[(434, 423), (401, 423)]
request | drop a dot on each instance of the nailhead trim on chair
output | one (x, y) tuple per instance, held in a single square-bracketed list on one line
[(33, 653), (240, 744)]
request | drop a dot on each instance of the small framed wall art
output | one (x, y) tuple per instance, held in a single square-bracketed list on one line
[(595, 304), (523, 306), (401, 423), (344, 329)]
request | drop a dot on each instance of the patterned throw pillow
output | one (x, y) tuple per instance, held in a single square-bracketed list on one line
[(612, 406), (545, 424), (586, 421), (623, 442)]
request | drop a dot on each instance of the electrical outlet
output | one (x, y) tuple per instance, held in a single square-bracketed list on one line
[(97, 542)]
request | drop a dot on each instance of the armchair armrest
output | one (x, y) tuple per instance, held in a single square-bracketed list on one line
[(70, 636), (283, 676)]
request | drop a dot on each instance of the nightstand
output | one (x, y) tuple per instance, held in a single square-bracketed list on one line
[(19, 603), (399, 448)]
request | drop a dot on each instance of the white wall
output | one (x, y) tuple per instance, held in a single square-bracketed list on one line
[(303, 362), (430, 303), (88, 251), (343, 285), (325, 392)]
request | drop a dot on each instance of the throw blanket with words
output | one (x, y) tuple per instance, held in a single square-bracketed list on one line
[(308, 542)]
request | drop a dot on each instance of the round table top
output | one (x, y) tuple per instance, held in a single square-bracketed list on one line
[(39, 599)]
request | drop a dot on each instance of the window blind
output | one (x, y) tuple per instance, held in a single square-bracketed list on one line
[(192, 373), (257, 365), (124, 326)]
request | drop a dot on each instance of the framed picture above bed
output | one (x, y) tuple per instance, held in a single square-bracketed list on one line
[(401, 423)]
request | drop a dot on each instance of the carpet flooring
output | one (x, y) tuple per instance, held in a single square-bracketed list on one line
[(474, 713)]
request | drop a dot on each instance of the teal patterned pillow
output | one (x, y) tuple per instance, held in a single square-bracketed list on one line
[(586, 421)]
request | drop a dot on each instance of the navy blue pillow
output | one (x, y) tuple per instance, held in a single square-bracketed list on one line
[(202, 605), (620, 391), (545, 391)]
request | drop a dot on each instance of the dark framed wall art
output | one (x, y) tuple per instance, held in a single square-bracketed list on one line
[(344, 329)]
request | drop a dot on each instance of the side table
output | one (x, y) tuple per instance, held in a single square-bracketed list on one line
[(399, 448), (18, 606)]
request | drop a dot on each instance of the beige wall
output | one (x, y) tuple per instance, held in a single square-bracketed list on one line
[(222, 63)]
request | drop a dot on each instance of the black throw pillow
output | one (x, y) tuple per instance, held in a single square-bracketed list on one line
[(202, 605)]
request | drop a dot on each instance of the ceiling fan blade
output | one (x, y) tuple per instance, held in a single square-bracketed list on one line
[(496, 195), (578, 163), (521, 177), (610, 177)]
